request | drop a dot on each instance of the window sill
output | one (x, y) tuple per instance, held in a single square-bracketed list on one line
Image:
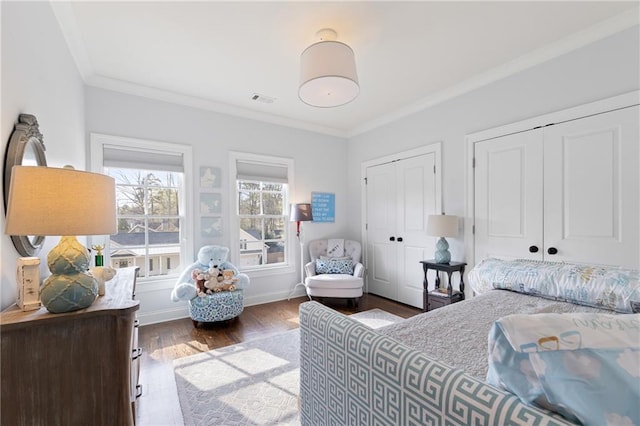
[(151, 284), (265, 272)]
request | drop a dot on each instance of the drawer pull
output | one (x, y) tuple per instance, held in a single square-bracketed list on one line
[(138, 391), (137, 353)]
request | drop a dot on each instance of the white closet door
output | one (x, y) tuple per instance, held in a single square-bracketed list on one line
[(381, 225), (400, 197), (416, 200), (508, 196), (591, 189)]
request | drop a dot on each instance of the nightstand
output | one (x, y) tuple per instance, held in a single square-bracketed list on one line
[(441, 296)]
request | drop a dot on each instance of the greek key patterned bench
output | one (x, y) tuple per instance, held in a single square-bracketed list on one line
[(351, 375)]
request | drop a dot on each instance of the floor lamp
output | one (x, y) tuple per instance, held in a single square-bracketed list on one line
[(300, 213)]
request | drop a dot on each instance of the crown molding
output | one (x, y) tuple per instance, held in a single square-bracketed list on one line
[(63, 11), (134, 89), (572, 42)]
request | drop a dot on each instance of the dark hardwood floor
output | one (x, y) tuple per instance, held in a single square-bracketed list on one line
[(165, 342)]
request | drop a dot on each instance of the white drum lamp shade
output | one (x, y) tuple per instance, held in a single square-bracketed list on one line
[(328, 75), (442, 226), (54, 201)]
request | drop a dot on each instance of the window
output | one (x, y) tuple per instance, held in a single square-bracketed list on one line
[(152, 203), (262, 187)]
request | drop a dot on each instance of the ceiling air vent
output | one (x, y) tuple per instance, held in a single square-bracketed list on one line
[(262, 98)]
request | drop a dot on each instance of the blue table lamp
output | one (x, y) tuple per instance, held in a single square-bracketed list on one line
[(442, 226), (66, 202)]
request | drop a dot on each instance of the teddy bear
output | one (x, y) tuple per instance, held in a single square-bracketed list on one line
[(199, 279), (209, 256), (214, 278), (102, 274), (228, 280)]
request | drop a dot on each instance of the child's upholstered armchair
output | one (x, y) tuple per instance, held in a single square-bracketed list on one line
[(335, 269), (212, 302)]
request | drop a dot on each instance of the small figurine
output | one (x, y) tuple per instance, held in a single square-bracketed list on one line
[(99, 256)]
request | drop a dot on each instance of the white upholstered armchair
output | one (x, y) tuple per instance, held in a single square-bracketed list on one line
[(335, 269)]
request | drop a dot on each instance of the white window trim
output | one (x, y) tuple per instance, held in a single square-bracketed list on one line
[(96, 149), (234, 223)]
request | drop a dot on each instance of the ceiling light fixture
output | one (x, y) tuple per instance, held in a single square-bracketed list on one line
[(328, 75)]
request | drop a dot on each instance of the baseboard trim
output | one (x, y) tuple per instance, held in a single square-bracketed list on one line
[(164, 315), (154, 317), (272, 297)]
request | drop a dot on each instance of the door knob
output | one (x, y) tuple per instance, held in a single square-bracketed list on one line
[(392, 238), (552, 250), (533, 249), (399, 239)]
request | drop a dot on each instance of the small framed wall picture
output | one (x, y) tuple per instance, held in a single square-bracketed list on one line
[(211, 227), (210, 204), (210, 177)]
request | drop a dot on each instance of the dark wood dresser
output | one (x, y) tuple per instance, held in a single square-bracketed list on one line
[(76, 368)]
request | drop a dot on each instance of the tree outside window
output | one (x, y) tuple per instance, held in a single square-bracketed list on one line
[(149, 220), (261, 210)]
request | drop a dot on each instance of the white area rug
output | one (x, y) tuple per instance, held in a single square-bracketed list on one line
[(251, 383)]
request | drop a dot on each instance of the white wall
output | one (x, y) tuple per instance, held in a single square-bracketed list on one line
[(320, 165), (603, 69), (39, 77)]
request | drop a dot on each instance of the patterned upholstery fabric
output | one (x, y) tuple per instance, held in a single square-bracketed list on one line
[(334, 266), (351, 375), (217, 306), (610, 287), (344, 278)]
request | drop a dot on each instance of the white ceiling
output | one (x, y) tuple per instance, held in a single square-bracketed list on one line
[(409, 55)]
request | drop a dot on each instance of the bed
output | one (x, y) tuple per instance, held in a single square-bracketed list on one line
[(433, 368)]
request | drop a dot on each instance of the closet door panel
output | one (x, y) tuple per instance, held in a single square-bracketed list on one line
[(591, 189), (508, 196), (416, 200), (381, 226)]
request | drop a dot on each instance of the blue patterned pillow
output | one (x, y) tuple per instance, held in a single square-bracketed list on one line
[(609, 287), (334, 266), (583, 366)]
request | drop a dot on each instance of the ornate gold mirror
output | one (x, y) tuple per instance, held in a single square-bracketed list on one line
[(25, 148)]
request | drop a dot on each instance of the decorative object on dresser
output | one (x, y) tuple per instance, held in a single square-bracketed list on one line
[(442, 296), (67, 202), (442, 226), (99, 257), (102, 274), (77, 368), (28, 277)]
